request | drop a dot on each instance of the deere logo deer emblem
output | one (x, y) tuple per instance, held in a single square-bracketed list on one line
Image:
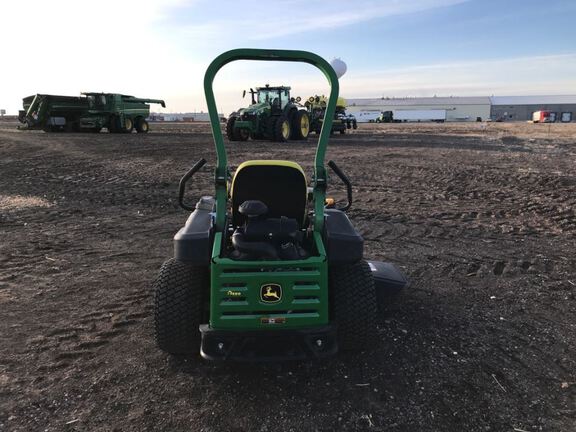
[(270, 293)]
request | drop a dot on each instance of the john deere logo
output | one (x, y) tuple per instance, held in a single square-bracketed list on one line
[(271, 293)]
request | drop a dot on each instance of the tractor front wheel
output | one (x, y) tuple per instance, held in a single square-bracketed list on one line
[(282, 129), (354, 305), (113, 124), (300, 125), (230, 128), (178, 307), (128, 125), (241, 134)]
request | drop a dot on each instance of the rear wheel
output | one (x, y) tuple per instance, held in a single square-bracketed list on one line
[(300, 125), (354, 305), (142, 126), (178, 306), (281, 129)]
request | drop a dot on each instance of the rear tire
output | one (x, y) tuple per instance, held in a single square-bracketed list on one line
[(300, 125), (178, 307), (354, 305)]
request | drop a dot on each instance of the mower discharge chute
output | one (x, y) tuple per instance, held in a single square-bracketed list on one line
[(263, 270)]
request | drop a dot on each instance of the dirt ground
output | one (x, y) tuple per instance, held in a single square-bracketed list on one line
[(480, 216)]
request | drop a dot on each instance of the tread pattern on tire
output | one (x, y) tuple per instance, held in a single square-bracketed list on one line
[(230, 128), (354, 305), (178, 292), (295, 122)]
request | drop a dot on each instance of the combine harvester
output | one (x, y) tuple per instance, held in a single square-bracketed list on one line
[(87, 113)]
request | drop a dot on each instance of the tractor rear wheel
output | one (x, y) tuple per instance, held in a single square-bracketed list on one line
[(178, 306), (142, 126), (300, 125), (281, 129), (354, 305)]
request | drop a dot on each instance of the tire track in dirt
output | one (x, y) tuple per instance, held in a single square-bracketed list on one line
[(82, 337)]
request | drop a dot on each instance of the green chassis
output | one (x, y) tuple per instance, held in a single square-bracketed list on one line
[(317, 264)]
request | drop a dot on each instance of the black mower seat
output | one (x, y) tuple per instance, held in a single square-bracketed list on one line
[(281, 185)]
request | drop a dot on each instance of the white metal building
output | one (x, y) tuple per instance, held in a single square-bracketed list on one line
[(457, 108), (520, 108)]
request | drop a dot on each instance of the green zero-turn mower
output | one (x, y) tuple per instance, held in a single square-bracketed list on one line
[(266, 270)]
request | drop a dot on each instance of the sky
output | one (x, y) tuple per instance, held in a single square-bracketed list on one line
[(392, 48)]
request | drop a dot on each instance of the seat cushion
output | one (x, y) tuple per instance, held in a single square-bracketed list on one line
[(281, 185)]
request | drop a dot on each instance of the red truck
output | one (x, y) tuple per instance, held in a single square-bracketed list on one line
[(543, 117)]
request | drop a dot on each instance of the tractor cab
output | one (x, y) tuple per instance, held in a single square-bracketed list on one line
[(96, 101), (277, 97)]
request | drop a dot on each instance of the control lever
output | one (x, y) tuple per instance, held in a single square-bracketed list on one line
[(184, 180), (345, 180)]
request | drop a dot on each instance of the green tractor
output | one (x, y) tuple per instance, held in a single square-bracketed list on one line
[(385, 117), (273, 115), (266, 270)]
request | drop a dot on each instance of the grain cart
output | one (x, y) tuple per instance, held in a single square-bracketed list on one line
[(263, 270), (89, 112), (272, 115), (316, 106)]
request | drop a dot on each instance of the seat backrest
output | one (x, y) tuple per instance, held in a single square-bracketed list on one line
[(281, 185)]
